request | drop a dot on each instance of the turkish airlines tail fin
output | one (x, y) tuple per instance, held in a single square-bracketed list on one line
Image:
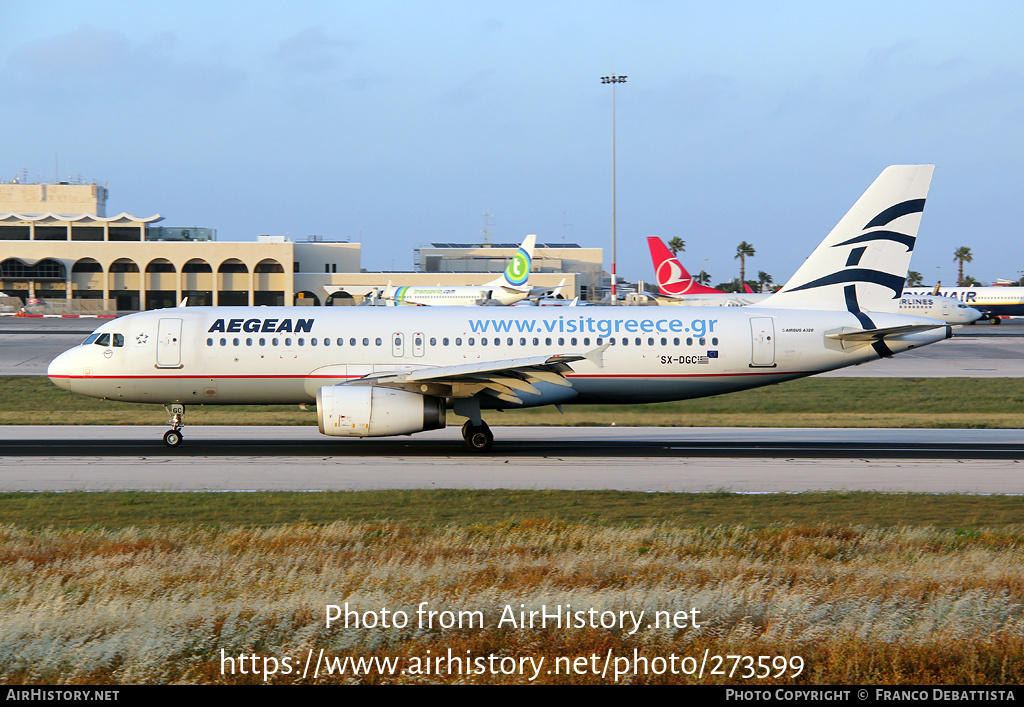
[(673, 280), (862, 263)]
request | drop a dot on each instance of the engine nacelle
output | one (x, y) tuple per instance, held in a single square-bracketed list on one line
[(369, 411)]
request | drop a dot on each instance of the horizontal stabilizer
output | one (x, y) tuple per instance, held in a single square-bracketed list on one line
[(869, 335)]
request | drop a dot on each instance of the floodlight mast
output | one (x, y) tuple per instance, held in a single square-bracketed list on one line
[(613, 79)]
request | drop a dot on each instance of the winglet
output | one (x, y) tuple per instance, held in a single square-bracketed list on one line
[(596, 356)]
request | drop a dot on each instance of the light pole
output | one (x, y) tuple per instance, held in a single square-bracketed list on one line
[(613, 79)]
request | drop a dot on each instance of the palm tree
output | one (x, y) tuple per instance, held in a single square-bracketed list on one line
[(914, 279), (743, 251), (676, 245), (763, 279), (704, 278), (962, 255)]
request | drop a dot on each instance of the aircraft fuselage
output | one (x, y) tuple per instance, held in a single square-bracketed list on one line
[(273, 355)]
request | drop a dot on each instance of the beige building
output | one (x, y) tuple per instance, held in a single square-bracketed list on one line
[(57, 245)]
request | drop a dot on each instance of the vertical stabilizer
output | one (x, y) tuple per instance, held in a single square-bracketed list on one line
[(673, 279), (862, 264), (517, 273)]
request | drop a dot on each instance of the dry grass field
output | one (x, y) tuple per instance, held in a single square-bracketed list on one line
[(849, 604), (807, 589)]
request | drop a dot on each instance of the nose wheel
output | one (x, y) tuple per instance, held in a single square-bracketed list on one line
[(478, 437), (173, 436)]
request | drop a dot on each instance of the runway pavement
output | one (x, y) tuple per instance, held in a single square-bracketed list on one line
[(637, 459)]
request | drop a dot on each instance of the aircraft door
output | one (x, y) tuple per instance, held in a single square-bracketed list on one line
[(397, 345), (762, 335), (168, 344), (417, 343)]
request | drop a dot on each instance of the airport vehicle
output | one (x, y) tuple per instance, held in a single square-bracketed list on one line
[(673, 276), (513, 286), (993, 302), (396, 371)]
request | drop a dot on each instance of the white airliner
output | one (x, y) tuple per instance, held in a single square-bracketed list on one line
[(992, 302), (677, 286), (396, 371), (513, 286)]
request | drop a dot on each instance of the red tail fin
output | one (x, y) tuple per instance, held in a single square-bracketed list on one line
[(671, 275), (746, 288)]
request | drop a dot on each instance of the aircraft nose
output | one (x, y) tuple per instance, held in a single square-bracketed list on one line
[(59, 371), (973, 314)]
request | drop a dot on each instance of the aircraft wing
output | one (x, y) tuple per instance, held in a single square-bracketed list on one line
[(503, 379)]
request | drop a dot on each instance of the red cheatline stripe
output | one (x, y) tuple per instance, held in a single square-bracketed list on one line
[(624, 375)]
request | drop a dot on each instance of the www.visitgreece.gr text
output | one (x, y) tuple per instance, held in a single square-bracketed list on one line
[(584, 324)]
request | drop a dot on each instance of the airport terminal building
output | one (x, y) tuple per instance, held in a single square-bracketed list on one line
[(58, 246)]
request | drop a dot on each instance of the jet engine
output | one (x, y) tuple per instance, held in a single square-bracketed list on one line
[(370, 411)]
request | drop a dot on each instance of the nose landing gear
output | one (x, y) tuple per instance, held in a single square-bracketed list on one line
[(173, 436)]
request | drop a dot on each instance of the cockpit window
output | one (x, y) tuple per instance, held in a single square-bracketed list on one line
[(92, 338), (118, 339), (104, 340)]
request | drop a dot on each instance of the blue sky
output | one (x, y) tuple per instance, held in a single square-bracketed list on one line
[(397, 123)]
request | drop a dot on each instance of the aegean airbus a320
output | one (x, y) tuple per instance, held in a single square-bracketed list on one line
[(399, 370)]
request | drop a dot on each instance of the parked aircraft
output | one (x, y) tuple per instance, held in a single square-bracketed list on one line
[(513, 286), (397, 371), (673, 277), (992, 302)]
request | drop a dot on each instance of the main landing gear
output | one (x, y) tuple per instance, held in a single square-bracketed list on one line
[(478, 437), (173, 436)]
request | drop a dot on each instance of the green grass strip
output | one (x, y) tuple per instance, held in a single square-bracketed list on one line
[(79, 510)]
